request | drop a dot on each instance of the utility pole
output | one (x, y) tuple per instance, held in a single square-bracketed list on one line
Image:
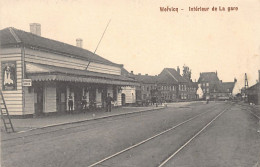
[(99, 43), (102, 36), (246, 86)]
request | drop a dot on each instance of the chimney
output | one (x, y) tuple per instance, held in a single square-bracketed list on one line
[(35, 28), (235, 80), (178, 70), (216, 72), (79, 42), (146, 74), (139, 73), (132, 72)]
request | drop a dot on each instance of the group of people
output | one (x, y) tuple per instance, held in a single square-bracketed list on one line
[(109, 100)]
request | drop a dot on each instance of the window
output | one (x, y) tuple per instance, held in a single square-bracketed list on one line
[(207, 84), (207, 90)]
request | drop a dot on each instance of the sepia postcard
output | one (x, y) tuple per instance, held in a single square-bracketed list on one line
[(140, 83)]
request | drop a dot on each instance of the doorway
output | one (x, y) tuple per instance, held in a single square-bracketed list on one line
[(92, 97), (61, 98), (123, 99), (38, 99), (77, 98), (104, 96)]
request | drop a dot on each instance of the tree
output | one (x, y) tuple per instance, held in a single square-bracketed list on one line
[(186, 72)]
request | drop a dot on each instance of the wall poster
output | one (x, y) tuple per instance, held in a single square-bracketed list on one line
[(9, 81)]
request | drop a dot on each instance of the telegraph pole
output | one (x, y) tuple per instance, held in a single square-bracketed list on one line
[(99, 43), (246, 86), (102, 36)]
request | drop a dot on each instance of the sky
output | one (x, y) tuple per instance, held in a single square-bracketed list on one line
[(146, 40)]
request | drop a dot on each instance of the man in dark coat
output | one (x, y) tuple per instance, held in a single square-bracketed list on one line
[(70, 101), (108, 101), (84, 103)]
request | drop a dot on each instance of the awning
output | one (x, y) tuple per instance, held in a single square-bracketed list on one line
[(58, 77), (39, 72)]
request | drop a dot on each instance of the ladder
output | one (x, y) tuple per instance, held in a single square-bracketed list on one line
[(5, 115)]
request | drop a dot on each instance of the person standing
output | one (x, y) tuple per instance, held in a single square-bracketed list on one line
[(70, 103), (84, 103), (108, 101)]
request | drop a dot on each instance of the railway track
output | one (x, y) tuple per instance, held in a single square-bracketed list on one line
[(75, 125), (150, 139), (78, 124)]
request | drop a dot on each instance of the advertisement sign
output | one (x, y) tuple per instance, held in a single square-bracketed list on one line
[(27, 82), (9, 79)]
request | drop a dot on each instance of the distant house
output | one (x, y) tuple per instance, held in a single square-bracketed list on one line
[(253, 92), (192, 91), (177, 87), (224, 91), (147, 86), (215, 89)]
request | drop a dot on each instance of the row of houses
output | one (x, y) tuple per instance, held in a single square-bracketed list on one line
[(169, 86), (39, 74)]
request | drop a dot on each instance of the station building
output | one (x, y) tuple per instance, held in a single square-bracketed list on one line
[(38, 74)]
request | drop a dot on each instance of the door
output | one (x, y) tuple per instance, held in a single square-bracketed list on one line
[(38, 99), (123, 99), (104, 97), (78, 98), (61, 99), (92, 97)]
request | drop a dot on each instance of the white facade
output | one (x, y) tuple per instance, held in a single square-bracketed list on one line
[(130, 94)]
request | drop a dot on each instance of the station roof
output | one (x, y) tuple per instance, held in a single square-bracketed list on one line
[(40, 72), (12, 36)]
